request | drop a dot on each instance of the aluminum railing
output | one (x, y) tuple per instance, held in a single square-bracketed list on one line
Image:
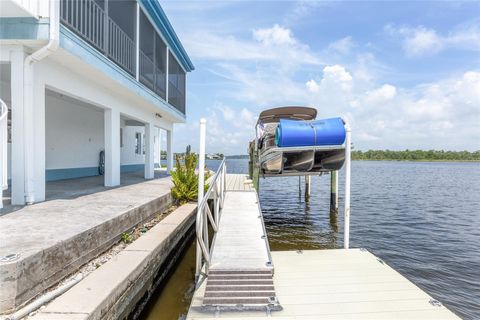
[(121, 48), (205, 217), (3, 147), (87, 19)]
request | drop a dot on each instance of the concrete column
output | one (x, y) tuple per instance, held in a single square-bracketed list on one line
[(158, 146), (18, 152), (39, 139), (149, 151), (112, 147), (169, 150)]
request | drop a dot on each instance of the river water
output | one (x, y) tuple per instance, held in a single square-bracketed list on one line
[(421, 218)]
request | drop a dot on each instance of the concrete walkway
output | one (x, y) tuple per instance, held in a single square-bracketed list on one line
[(42, 243)]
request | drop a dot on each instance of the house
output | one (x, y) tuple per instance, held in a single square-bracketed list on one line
[(91, 86)]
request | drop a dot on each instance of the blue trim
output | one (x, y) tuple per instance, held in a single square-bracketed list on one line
[(156, 13), (70, 173), (74, 173), (80, 48), (24, 28)]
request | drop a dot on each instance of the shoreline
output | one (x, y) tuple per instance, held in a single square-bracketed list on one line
[(417, 160), (400, 160)]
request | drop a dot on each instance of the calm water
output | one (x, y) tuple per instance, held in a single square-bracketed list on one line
[(423, 219)]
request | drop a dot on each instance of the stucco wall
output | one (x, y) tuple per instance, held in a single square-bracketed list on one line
[(74, 136)]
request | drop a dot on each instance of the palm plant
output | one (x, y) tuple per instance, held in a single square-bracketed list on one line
[(185, 180)]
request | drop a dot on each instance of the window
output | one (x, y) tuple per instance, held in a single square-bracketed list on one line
[(153, 57), (143, 144), (138, 143), (147, 51), (176, 84)]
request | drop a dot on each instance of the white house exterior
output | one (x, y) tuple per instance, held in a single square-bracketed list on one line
[(83, 76)]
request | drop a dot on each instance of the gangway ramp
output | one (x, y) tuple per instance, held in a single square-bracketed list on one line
[(238, 268), (240, 275)]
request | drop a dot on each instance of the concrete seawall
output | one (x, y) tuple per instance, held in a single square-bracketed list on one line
[(120, 287)]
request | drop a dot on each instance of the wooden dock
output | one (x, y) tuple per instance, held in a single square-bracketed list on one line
[(247, 281)]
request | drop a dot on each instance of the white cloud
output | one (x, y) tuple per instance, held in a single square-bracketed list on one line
[(275, 44), (336, 75), (275, 35), (420, 40), (312, 86), (343, 46), (228, 113), (382, 94)]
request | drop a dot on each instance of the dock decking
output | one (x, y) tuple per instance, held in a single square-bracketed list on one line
[(314, 284), (239, 182)]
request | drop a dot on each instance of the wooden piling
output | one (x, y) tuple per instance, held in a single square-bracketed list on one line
[(254, 166), (333, 192)]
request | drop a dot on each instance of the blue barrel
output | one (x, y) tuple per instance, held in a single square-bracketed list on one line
[(297, 133)]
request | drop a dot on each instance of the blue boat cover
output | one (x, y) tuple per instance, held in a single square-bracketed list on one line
[(298, 133)]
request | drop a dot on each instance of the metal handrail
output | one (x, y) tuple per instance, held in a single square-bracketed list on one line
[(3, 147), (217, 190)]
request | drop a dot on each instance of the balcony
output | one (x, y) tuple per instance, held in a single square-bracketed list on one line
[(110, 26)]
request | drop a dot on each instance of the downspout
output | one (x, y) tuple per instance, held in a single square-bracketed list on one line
[(28, 94)]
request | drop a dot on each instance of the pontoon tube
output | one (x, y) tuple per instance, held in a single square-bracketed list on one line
[(294, 133)]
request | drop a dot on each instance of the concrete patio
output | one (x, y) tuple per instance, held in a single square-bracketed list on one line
[(42, 243)]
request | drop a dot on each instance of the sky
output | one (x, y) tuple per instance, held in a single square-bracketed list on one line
[(405, 74)]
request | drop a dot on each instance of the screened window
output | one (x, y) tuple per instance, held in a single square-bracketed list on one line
[(176, 82)]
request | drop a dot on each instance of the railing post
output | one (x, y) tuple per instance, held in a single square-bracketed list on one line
[(105, 29), (137, 42), (201, 183), (346, 234)]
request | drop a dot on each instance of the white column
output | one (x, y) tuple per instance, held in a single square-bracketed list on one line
[(112, 147), (169, 150), (39, 139), (18, 153), (149, 151)]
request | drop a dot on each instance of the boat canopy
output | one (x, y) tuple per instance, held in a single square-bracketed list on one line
[(294, 113)]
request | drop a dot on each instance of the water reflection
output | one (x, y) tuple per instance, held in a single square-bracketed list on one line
[(423, 219)]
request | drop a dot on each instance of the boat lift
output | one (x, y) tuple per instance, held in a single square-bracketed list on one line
[(269, 159)]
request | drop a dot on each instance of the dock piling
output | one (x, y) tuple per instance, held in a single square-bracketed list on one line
[(307, 187), (334, 192)]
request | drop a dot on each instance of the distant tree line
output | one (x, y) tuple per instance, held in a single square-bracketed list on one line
[(416, 155)]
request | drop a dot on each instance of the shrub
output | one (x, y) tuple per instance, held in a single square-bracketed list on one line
[(185, 180)]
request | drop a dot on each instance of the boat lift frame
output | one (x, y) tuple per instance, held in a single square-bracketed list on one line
[(217, 189)]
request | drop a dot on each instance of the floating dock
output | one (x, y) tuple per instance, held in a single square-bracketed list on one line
[(242, 279)]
